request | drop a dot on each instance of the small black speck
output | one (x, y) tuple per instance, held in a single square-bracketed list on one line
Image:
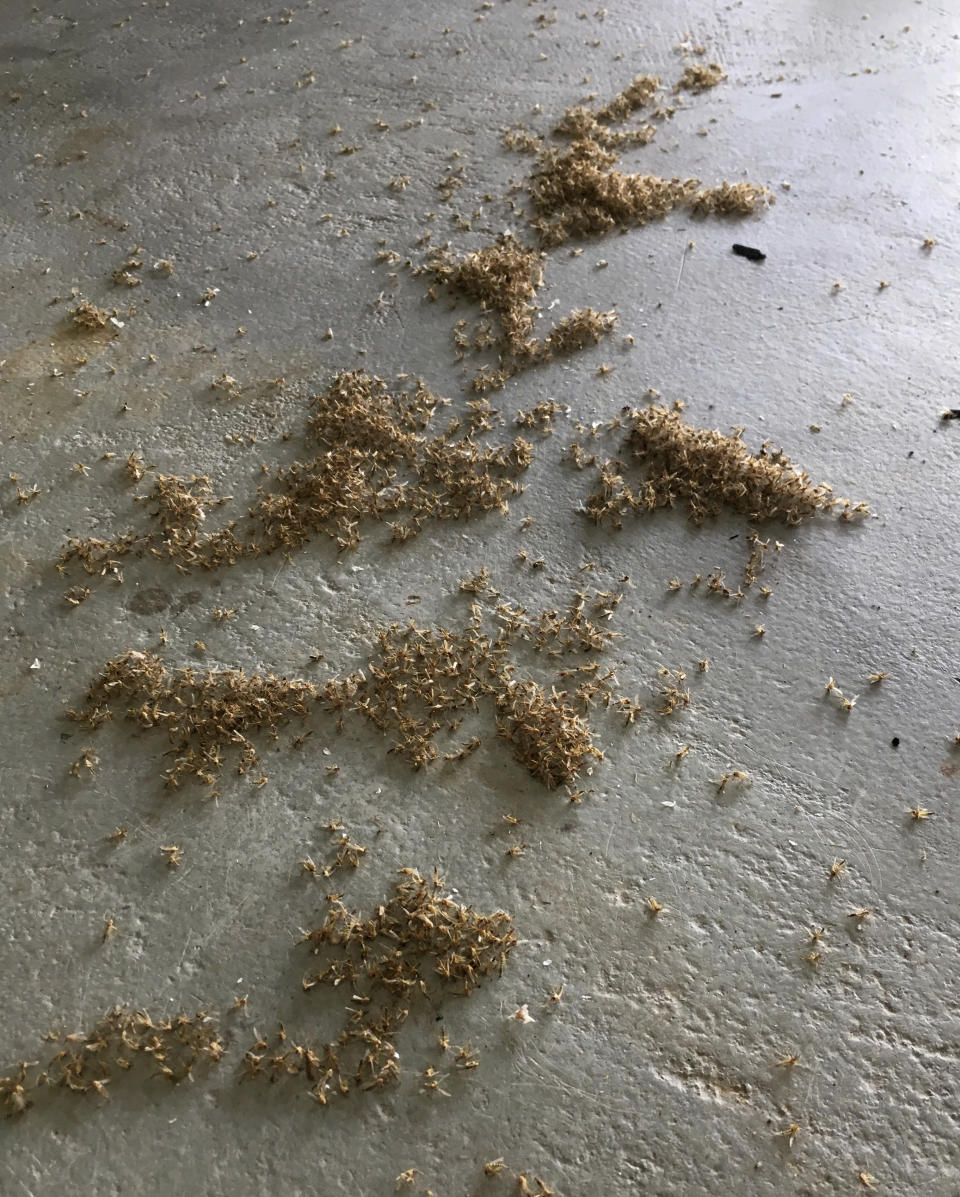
[(895, 742)]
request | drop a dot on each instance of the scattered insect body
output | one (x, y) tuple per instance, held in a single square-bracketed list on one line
[(738, 775), (174, 855)]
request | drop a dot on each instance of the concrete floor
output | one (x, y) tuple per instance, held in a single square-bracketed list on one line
[(181, 129)]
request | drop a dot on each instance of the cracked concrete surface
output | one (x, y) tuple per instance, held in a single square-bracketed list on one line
[(201, 134)]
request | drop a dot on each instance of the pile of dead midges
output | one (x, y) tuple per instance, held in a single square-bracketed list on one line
[(677, 464), (575, 191), (420, 684), (504, 278), (388, 962), (417, 945), (206, 713), (549, 735), (89, 1062), (373, 461)]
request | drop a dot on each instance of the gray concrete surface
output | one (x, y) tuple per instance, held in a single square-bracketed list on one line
[(657, 1072)]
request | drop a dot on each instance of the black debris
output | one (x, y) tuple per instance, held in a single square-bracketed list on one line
[(747, 251), (895, 742)]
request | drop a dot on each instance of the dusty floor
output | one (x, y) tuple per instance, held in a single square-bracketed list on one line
[(201, 134)]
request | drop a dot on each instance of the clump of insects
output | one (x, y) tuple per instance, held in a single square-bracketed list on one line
[(362, 436), (700, 76), (666, 462), (205, 713), (504, 278), (420, 939), (672, 692), (90, 1061), (88, 317), (420, 682), (550, 739), (576, 191), (708, 472), (349, 854)]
